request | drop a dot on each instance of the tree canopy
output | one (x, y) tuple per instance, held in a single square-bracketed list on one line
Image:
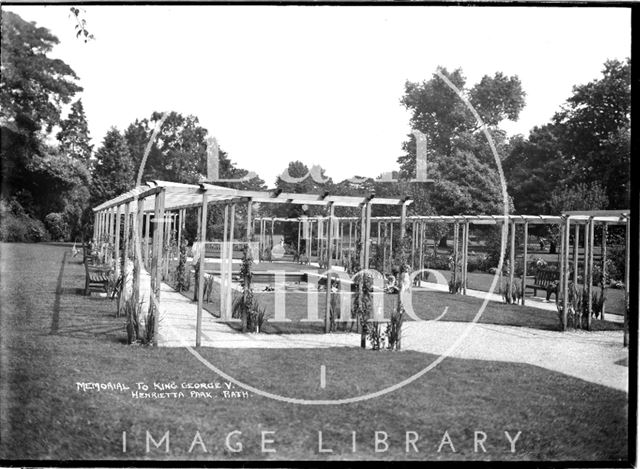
[(587, 143), (33, 86), (74, 135), (459, 158)]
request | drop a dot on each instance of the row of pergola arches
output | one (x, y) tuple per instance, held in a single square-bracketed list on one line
[(143, 238)]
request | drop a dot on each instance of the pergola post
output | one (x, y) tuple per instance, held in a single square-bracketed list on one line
[(147, 233), (156, 256), (273, 227), (229, 264), (249, 220), (116, 248), (109, 239), (391, 245), (339, 254), (137, 241), (512, 259), (308, 240), (590, 281), (603, 283), (181, 214), (421, 248), (576, 253), (125, 253), (627, 279), (384, 245), (232, 224), (202, 219), (350, 242), (413, 244), (367, 233), (103, 226), (223, 257), (299, 235), (525, 259), (465, 255), (363, 228), (166, 231), (403, 220), (456, 233), (327, 313), (99, 239), (564, 273)]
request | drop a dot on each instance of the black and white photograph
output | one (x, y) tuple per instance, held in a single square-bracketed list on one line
[(307, 233)]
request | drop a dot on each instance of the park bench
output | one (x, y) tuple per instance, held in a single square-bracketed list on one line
[(87, 255), (96, 276), (546, 280)]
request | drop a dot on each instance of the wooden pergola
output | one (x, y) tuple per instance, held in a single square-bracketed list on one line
[(165, 203), (461, 225), (586, 221), (385, 229)]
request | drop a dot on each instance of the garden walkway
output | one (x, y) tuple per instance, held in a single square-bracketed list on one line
[(591, 356)]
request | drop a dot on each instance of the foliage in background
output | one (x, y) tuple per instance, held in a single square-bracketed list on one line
[(459, 160), (587, 143), (113, 169), (74, 135), (16, 226)]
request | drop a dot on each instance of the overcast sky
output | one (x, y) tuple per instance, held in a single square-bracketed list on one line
[(319, 84)]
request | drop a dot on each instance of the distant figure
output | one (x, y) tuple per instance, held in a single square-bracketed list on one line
[(542, 244), (405, 280), (278, 251), (74, 250)]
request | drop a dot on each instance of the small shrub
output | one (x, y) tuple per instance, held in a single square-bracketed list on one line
[(149, 326), (454, 287), (597, 304), (257, 317), (181, 275), (375, 335), (21, 228), (362, 304), (516, 292), (132, 312), (57, 226), (394, 327)]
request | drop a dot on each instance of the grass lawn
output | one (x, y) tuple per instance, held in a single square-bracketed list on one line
[(52, 338), (482, 281)]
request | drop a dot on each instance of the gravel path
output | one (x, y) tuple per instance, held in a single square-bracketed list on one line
[(590, 356)]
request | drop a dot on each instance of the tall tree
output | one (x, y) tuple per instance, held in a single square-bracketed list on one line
[(587, 143), (534, 168), (33, 88), (459, 158), (32, 85), (594, 131), (74, 134), (180, 152), (114, 168)]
